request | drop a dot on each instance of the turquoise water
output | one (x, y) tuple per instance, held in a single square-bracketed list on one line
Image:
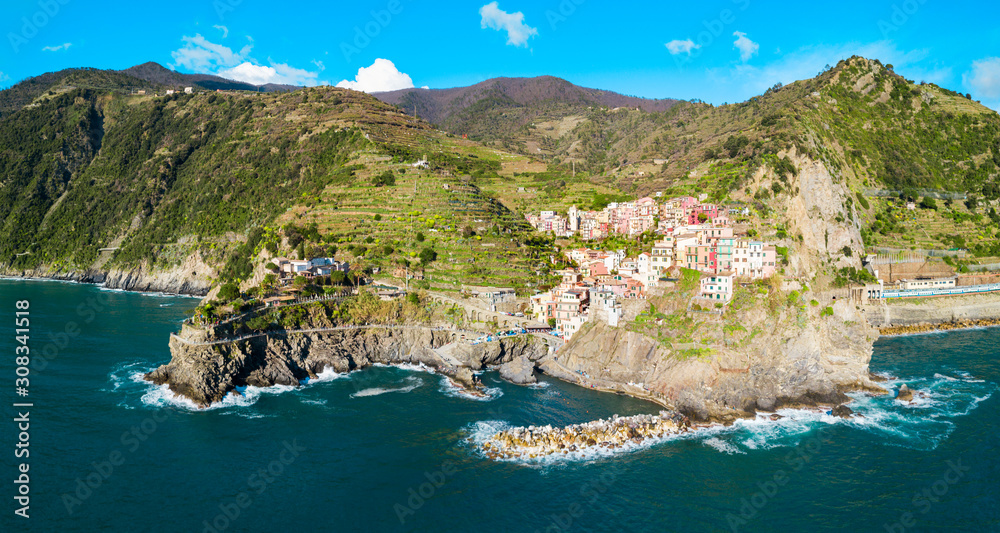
[(387, 449)]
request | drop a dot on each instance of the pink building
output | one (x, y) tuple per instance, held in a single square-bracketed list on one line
[(645, 207), (709, 210)]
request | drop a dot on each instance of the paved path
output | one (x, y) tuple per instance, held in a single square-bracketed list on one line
[(288, 332)]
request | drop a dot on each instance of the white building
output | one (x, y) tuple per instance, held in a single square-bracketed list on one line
[(718, 287), (924, 284), (188, 90), (644, 263)]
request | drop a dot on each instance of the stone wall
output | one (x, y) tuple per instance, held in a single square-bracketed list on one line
[(933, 310)]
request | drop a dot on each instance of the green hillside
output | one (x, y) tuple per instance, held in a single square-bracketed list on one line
[(95, 177), (100, 179)]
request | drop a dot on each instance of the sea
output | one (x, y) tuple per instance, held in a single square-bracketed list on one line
[(394, 448)]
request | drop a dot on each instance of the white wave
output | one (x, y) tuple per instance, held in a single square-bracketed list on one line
[(539, 385), (162, 396), (413, 367), (378, 391), (123, 373), (723, 446), (313, 402), (328, 374)]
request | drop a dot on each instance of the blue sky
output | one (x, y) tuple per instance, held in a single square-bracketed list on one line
[(717, 51)]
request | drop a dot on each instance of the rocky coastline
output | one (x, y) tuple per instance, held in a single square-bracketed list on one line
[(606, 434), (204, 370), (135, 280), (931, 327)]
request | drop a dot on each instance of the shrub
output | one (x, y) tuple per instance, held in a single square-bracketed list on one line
[(827, 311), (427, 256), (734, 144), (862, 200), (386, 178), (229, 292)]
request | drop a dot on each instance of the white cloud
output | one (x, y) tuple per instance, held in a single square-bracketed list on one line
[(682, 47), (319, 65), (200, 55), (518, 32), (279, 73), (746, 47), (63, 46), (381, 76), (223, 29), (3, 77), (984, 78)]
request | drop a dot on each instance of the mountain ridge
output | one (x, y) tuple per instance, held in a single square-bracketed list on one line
[(454, 109), (146, 76)]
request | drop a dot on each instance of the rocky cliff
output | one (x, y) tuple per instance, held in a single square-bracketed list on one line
[(193, 277), (777, 362), (205, 373)]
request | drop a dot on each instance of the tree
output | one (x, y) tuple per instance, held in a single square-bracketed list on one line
[(734, 144), (552, 323), (229, 292), (386, 178), (378, 217), (271, 266), (467, 232), (300, 282), (928, 203), (427, 256), (420, 237), (702, 217), (338, 277), (270, 280)]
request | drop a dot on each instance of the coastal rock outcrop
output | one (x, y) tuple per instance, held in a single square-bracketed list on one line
[(794, 364), (519, 370), (904, 394), (842, 411), (204, 369)]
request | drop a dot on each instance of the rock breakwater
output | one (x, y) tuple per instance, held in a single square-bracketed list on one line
[(942, 326), (609, 434)]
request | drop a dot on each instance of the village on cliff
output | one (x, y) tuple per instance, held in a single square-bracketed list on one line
[(691, 234)]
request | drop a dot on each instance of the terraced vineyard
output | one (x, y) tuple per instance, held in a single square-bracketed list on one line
[(478, 240)]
